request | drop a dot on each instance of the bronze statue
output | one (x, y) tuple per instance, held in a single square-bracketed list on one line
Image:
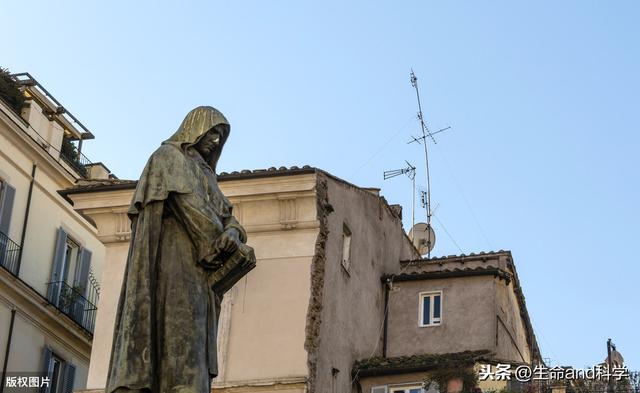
[(186, 250)]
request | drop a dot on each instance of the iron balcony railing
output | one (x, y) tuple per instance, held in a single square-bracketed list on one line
[(71, 301), (76, 160), (9, 254)]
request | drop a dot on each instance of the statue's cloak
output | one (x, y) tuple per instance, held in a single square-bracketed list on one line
[(166, 324)]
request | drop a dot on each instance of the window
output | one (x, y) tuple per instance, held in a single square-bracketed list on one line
[(413, 388), (406, 389), (430, 308), (70, 261), (8, 249), (68, 285), (56, 366), (7, 194), (346, 247), (61, 373)]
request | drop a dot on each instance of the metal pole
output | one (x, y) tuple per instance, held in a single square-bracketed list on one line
[(414, 82), (386, 318), (609, 380), (8, 350), (413, 207), (426, 152), (26, 218)]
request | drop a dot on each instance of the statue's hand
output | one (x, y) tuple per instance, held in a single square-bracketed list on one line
[(229, 241)]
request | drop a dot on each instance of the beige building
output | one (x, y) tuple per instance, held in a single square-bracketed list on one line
[(50, 255)]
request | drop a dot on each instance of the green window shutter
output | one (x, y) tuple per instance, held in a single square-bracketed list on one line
[(68, 378), (6, 207), (47, 369), (57, 269)]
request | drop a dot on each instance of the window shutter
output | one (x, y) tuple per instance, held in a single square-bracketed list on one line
[(53, 292), (80, 281), (6, 207), (379, 389), (7, 194), (69, 376), (47, 370), (82, 269)]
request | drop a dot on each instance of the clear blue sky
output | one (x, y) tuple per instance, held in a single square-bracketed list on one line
[(542, 98)]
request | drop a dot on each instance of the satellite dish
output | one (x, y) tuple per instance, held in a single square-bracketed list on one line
[(423, 237)]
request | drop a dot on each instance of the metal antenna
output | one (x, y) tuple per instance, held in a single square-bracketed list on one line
[(423, 141), (430, 134), (425, 196), (410, 171)]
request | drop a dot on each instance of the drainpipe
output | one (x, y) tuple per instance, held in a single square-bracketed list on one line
[(6, 353), (386, 317), (26, 219)]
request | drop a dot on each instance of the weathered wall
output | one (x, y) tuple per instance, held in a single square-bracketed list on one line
[(468, 318), (480, 308), (512, 335), (351, 312)]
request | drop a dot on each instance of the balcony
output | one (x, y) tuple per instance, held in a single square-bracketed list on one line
[(32, 103), (74, 158), (9, 254), (74, 304)]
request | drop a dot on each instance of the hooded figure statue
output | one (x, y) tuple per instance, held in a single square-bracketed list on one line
[(183, 237)]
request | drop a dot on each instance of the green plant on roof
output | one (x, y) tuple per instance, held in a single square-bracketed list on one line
[(10, 91)]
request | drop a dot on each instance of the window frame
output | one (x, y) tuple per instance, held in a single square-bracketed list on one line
[(405, 387), (57, 376), (431, 295), (60, 371), (346, 248), (71, 260)]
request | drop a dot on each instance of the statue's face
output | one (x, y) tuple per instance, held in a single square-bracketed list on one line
[(209, 142)]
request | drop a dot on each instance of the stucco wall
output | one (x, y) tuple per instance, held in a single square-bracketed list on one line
[(27, 346), (116, 258), (512, 335), (266, 334), (352, 302), (468, 320)]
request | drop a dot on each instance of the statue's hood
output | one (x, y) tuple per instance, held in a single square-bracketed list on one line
[(196, 124)]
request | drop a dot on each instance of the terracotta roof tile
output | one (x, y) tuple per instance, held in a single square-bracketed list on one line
[(407, 364)]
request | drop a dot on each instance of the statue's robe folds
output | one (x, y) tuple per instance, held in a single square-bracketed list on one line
[(165, 333)]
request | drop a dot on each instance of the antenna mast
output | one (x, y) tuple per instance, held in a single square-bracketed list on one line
[(425, 133), (425, 199)]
